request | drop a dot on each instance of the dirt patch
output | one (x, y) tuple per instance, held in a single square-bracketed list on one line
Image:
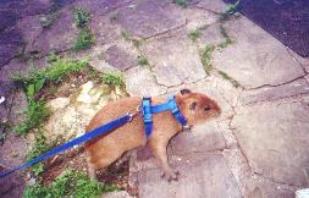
[(286, 20)]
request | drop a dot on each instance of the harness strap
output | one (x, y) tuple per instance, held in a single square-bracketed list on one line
[(79, 140), (170, 105)]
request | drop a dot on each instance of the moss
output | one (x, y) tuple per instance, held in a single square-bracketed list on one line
[(113, 79), (227, 40), (206, 55), (142, 60), (194, 35), (69, 184), (227, 77), (81, 17), (84, 40)]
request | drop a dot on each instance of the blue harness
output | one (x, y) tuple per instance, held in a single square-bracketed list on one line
[(147, 110)]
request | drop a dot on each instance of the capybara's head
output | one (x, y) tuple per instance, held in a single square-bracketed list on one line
[(197, 107)]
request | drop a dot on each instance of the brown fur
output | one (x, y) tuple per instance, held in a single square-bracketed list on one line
[(196, 107)]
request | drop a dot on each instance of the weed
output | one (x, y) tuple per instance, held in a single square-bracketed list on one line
[(126, 35), (227, 40), (54, 72), (35, 113), (81, 17), (182, 3), (48, 20), (40, 146), (194, 35), (113, 79), (227, 77), (142, 60), (205, 55), (137, 43), (84, 39), (69, 184), (229, 11)]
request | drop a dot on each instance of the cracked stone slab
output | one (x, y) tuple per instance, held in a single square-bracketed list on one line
[(202, 138), (100, 7), (141, 82), (210, 173), (210, 36), (147, 18), (274, 137), (197, 18), (255, 58), (303, 61), (295, 88), (56, 38), (120, 58), (175, 59), (217, 6), (11, 43)]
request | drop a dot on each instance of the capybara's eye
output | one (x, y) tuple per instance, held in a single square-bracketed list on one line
[(207, 108)]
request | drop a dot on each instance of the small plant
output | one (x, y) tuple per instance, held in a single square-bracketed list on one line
[(227, 77), (35, 114), (69, 184), (194, 35), (142, 60), (40, 146), (81, 17), (182, 3), (84, 40), (230, 10), (206, 55), (48, 20), (126, 35), (113, 79)]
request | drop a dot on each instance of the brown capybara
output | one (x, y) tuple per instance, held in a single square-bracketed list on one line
[(102, 151)]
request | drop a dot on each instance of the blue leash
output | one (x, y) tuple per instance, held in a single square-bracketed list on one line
[(79, 140)]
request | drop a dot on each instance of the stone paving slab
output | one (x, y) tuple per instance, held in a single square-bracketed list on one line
[(201, 175), (174, 59), (146, 18), (274, 137), (255, 58), (295, 88), (141, 82)]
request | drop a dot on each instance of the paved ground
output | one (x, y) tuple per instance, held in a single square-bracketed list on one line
[(257, 148)]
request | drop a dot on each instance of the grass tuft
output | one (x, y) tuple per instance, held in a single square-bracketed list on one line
[(35, 113), (113, 79), (40, 146), (206, 55), (227, 77), (81, 17), (194, 35), (84, 40), (142, 60), (69, 184)]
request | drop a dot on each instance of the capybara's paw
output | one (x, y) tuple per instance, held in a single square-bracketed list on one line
[(171, 175)]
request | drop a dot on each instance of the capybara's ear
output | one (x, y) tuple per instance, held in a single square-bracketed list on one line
[(185, 91)]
